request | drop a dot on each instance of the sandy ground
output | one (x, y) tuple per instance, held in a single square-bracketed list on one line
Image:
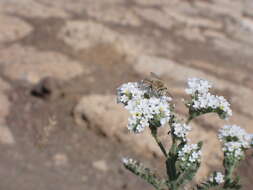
[(61, 62)]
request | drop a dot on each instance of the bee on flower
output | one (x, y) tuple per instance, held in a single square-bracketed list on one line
[(145, 109)]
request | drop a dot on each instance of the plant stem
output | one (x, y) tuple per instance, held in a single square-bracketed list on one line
[(171, 164), (229, 176), (189, 119), (230, 171), (154, 135), (173, 186)]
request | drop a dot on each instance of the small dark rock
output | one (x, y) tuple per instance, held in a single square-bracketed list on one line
[(48, 88)]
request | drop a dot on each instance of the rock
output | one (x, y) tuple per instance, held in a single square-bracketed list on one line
[(192, 21), (151, 2), (219, 8), (157, 17), (103, 114), (6, 136), (13, 28), (35, 9), (48, 88), (192, 34), (84, 34), (26, 63), (79, 7), (233, 47), (100, 165), (60, 159), (213, 34), (114, 14)]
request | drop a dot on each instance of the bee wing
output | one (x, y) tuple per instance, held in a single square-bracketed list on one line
[(154, 75)]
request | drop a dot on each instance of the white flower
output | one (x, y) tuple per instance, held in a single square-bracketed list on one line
[(181, 130), (144, 110), (236, 133), (189, 154), (127, 161), (235, 140), (129, 91), (233, 149), (197, 85), (218, 178), (206, 101)]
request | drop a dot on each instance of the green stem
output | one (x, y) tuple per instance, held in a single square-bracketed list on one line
[(229, 176), (154, 135), (173, 186), (189, 119), (171, 163), (230, 172)]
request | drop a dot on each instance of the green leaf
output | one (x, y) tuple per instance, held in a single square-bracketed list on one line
[(146, 174)]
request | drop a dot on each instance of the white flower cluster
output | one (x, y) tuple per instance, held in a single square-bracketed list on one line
[(235, 140), (127, 91), (127, 161), (189, 154), (217, 178), (204, 101), (197, 85), (181, 130), (208, 100), (144, 110)]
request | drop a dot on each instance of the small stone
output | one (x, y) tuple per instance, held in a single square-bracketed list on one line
[(60, 159), (100, 165), (6, 136), (47, 88)]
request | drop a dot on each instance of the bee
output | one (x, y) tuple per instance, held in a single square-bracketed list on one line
[(156, 86)]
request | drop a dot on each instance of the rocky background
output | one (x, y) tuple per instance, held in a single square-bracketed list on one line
[(61, 62)]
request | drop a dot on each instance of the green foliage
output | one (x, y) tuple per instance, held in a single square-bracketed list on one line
[(145, 173)]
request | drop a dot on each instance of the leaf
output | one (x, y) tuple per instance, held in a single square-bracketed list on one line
[(146, 174)]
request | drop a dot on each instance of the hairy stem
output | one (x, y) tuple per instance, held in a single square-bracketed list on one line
[(229, 176), (171, 163), (154, 135)]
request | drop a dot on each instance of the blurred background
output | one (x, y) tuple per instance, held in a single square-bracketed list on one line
[(61, 62)]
